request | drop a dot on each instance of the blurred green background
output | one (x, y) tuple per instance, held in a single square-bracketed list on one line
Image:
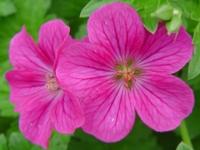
[(32, 13)]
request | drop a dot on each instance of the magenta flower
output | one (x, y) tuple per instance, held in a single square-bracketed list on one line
[(43, 104), (124, 70)]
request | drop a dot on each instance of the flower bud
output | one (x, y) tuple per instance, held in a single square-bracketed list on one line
[(165, 12)]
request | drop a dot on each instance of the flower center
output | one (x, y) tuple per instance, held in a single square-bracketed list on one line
[(51, 83), (127, 73)]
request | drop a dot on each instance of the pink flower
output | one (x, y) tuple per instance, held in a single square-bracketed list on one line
[(43, 104), (124, 70)]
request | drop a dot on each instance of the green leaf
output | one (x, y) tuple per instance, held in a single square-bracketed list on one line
[(164, 12), (30, 13), (3, 142), (194, 64), (6, 108), (34, 18), (183, 146), (174, 24), (190, 8), (68, 9), (193, 126), (141, 138), (93, 5), (17, 142), (7, 8), (81, 31), (59, 142), (145, 8)]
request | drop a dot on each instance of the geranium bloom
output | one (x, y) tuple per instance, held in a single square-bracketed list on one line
[(124, 70), (43, 104)]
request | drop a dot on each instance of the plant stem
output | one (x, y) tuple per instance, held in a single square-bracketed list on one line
[(185, 134)]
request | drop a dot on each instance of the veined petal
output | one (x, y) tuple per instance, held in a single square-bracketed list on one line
[(24, 54), (27, 90), (117, 27), (42, 110), (110, 115), (36, 126), (52, 36), (165, 53), (83, 66), (163, 101), (66, 114)]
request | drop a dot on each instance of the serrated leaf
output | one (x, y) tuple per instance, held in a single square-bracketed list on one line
[(17, 142), (183, 146), (3, 142), (7, 8), (194, 64)]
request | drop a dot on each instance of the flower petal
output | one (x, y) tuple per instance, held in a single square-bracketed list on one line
[(52, 36), (25, 54), (165, 53), (82, 64), (36, 125), (42, 110), (88, 70), (66, 114), (163, 101), (117, 27), (110, 115), (27, 90)]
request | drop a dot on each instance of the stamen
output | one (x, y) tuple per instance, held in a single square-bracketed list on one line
[(127, 73), (51, 83)]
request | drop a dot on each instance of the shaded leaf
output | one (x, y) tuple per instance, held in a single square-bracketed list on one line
[(7, 8), (6, 108), (141, 138), (164, 12), (68, 9), (3, 142), (183, 146), (194, 64), (17, 142), (190, 8), (174, 24), (59, 142), (145, 8)]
